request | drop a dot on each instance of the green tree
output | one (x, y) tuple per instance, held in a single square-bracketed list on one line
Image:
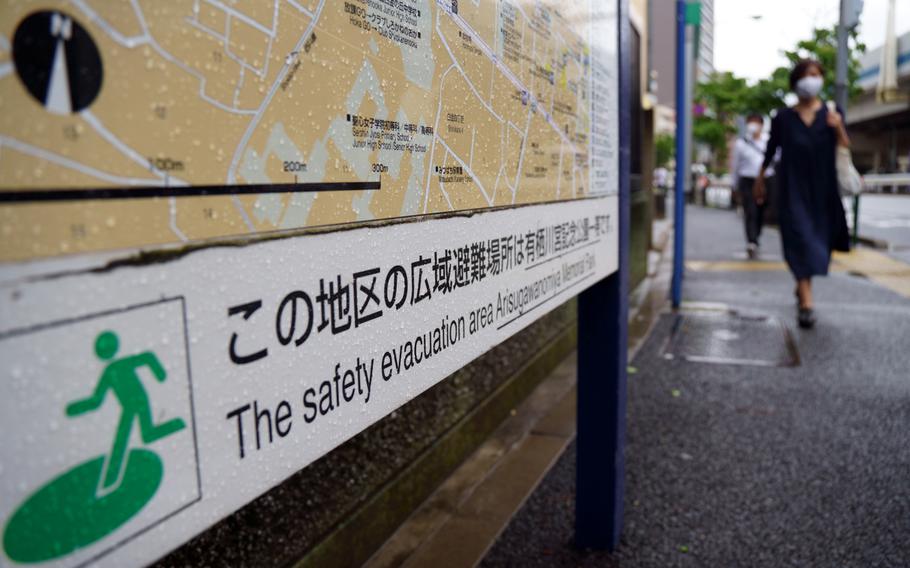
[(664, 147), (723, 93), (767, 94), (823, 47), (725, 96), (715, 133)]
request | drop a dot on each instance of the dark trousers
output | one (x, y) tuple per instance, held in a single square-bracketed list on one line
[(753, 213)]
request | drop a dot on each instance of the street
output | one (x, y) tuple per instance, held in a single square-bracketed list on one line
[(752, 442), (887, 218)]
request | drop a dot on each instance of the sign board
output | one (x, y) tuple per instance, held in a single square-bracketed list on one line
[(236, 235)]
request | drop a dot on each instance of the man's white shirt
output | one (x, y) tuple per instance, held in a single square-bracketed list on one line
[(748, 156)]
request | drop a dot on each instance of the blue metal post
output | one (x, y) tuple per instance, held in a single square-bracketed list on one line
[(602, 343), (679, 199)]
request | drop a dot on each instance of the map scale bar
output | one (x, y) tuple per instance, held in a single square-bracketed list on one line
[(81, 194)]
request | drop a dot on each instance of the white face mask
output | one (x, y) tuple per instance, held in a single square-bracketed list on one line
[(809, 87), (753, 128)]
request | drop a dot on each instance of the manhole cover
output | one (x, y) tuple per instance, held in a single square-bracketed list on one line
[(730, 337)]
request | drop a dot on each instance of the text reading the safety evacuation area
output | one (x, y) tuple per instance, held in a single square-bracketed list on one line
[(353, 383)]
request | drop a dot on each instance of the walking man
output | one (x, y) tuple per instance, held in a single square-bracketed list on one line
[(748, 154)]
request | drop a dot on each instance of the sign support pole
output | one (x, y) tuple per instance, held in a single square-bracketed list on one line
[(602, 358), (679, 194)]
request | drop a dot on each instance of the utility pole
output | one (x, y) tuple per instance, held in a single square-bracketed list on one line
[(850, 11), (840, 80)]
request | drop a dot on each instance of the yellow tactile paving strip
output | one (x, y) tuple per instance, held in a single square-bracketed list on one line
[(734, 265), (877, 267), (880, 268)]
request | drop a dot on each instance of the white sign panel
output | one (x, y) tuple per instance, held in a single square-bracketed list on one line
[(144, 402), (147, 396)]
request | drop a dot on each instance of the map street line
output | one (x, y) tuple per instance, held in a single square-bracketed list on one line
[(163, 53), (128, 42), (467, 169), (467, 80), (238, 205), (559, 171), (201, 87), (471, 160), (426, 191), (442, 185), (99, 127), (231, 178), (521, 155), (482, 45), (300, 8), (30, 150), (172, 219), (243, 17), (261, 73), (239, 86)]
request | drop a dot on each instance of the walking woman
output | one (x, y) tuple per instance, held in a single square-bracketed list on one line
[(811, 215)]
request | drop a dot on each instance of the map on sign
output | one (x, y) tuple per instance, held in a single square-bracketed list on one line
[(149, 122)]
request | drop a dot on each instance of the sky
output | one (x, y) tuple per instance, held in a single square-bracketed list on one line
[(751, 47)]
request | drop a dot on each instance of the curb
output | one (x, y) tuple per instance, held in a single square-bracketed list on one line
[(498, 495), (459, 522), (874, 243), (364, 531)]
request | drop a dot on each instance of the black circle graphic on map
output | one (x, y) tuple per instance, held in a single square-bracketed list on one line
[(57, 61)]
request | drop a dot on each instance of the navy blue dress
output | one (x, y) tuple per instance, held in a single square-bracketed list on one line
[(811, 214)]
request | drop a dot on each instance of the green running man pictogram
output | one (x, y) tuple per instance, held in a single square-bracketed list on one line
[(96, 497), (120, 377)]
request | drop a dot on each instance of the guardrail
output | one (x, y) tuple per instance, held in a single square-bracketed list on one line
[(720, 195), (871, 181)]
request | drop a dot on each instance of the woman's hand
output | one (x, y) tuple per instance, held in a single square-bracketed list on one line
[(758, 189), (835, 120)]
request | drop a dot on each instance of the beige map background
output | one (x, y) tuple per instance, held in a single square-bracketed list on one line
[(232, 90)]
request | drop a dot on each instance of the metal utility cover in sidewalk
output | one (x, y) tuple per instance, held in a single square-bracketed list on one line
[(729, 337)]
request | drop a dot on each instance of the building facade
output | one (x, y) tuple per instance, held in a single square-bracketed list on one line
[(705, 47), (663, 47), (880, 131)]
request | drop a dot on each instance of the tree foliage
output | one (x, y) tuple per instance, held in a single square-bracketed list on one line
[(714, 133), (664, 147), (823, 47), (725, 96), (768, 94)]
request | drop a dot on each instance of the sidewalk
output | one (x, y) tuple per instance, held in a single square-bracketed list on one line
[(754, 464)]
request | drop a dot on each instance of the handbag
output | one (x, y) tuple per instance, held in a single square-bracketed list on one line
[(848, 179)]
